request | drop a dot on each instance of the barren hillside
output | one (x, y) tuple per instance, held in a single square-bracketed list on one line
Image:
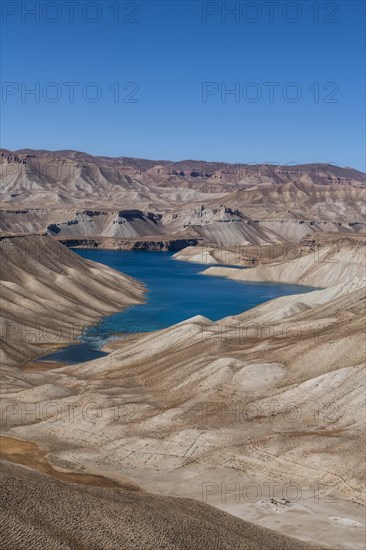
[(207, 410), (87, 518), (49, 294), (253, 402), (319, 262), (72, 194)]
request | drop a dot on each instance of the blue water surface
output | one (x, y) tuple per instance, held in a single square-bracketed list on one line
[(175, 291)]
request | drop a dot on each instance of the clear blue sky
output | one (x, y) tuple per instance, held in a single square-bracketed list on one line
[(170, 50)]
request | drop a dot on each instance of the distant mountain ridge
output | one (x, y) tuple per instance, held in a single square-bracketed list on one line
[(204, 176), (72, 194)]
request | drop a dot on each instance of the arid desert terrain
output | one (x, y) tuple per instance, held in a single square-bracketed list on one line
[(242, 433)]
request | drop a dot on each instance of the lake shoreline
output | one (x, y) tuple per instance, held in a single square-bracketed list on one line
[(164, 307)]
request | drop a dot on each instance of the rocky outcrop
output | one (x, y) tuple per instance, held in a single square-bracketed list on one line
[(131, 244)]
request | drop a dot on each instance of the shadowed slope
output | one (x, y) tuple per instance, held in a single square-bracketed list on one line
[(49, 294), (39, 512)]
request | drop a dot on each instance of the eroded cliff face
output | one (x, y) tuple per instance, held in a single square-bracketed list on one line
[(49, 294), (64, 176), (172, 245), (221, 225), (72, 194)]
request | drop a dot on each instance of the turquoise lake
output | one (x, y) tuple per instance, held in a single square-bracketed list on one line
[(175, 291)]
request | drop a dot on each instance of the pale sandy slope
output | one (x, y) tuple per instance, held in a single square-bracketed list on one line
[(242, 254), (49, 294), (198, 254), (273, 397), (332, 262), (40, 512)]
